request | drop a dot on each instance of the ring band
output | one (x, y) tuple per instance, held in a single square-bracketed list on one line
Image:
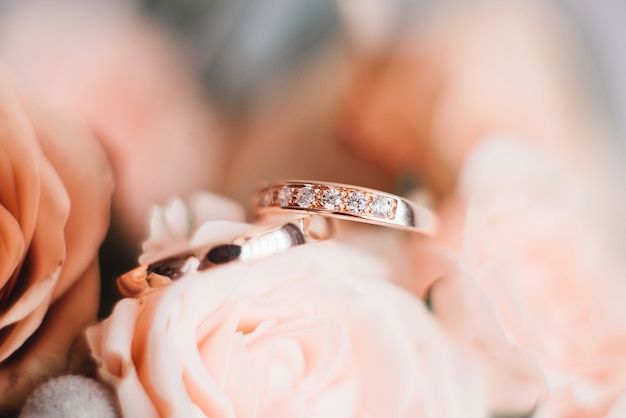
[(261, 242), (342, 201)]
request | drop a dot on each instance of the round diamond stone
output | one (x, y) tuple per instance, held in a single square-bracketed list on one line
[(284, 196), (356, 202), (331, 199), (381, 206), (305, 197)]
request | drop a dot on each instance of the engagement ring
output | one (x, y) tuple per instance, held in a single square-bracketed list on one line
[(342, 201)]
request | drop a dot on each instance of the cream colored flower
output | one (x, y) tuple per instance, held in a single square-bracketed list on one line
[(317, 331)]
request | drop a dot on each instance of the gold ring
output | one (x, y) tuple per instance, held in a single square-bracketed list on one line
[(258, 243), (342, 201)]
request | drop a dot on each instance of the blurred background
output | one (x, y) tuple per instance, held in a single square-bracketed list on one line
[(224, 94)]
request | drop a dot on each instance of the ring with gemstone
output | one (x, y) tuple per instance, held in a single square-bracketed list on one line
[(261, 242), (343, 201)]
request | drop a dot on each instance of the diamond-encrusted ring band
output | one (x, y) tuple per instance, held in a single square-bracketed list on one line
[(260, 242), (342, 201)]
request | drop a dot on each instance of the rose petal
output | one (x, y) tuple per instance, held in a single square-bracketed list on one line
[(20, 175), (172, 226), (19, 172), (48, 349), (35, 296), (513, 379), (47, 248), (72, 149), (209, 206), (12, 244), (176, 217), (115, 358), (168, 394), (45, 256), (15, 336)]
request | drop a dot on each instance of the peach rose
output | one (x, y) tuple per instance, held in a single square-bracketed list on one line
[(534, 215), (315, 331), (105, 63), (513, 379), (55, 199), (456, 75), (547, 252)]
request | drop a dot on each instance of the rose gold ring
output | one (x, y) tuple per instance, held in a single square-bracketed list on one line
[(342, 201), (261, 242)]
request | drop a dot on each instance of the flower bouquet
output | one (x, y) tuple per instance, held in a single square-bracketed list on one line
[(452, 248)]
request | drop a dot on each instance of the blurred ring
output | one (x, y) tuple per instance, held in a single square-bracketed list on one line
[(342, 201), (261, 242)]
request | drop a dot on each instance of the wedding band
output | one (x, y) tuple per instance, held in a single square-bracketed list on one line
[(342, 201), (261, 242)]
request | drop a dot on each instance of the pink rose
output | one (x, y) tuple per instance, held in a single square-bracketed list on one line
[(55, 199), (315, 331), (534, 216), (545, 249), (460, 73), (103, 62), (514, 382)]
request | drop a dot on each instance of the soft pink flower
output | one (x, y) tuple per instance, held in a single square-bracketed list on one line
[(459, 73), (55, 199), (315, 331), (514, 382), (535, 217), (103, 62), (547, 252)]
